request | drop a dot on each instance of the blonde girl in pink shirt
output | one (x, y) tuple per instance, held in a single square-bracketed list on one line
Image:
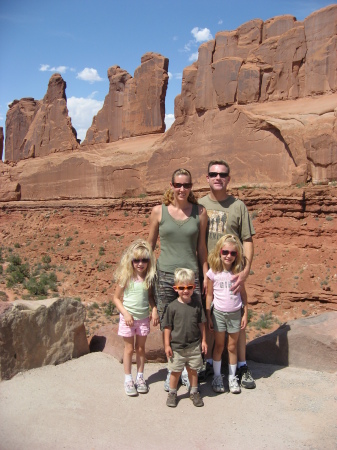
[(225, 311)]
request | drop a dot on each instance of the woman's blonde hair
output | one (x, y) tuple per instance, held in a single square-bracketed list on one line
[(125, 272), (168, 197), (214, 257)]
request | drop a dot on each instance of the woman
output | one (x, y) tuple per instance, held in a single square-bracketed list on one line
[(181, 225)]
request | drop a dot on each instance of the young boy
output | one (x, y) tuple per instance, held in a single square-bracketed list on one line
[(184, 325)]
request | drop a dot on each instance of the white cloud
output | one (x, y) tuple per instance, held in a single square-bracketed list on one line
[(175, 38), (201, 35), (90, 75), (220, 22), (47, 68), (193, 57), (169, 75), (82, 110), (169, 119), (178, 76)]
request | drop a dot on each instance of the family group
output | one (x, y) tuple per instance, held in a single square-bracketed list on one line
[(195, 289)]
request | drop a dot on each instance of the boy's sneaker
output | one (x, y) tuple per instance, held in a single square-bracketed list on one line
[(171, 400), (196, 399), (184, 378), (130, 388), (167, 382), (217, 384), (141, 386), (233, 385), (205, 372), (246, 379)]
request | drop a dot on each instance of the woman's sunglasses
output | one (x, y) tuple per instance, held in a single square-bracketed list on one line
[(221, 174), (140, 260), (227, 252), (182, 288), (180, 185)]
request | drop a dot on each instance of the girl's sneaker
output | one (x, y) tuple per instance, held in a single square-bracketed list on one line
[(217, 384), (233, 385), (141, 386), (130, 388)]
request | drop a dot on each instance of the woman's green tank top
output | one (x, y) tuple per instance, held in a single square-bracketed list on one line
[(178, 241)]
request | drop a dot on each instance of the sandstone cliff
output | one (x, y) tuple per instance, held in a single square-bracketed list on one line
[(263, 97), (39, 128), (133, 106), (1, 141)]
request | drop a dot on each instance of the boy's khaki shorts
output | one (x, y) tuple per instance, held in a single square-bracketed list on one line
[(190, 356)]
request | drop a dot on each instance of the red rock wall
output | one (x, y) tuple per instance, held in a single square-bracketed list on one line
[(1, 141), (133, 106), (251, 98)]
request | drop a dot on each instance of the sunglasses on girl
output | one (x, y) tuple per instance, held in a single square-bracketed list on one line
[(182, 288), (180, 185), (141, 260), (227, 252), (221, 174)]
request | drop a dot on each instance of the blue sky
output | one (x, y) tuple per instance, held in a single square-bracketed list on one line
[(81, 39)]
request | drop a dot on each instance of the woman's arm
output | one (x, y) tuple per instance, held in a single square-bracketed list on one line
[(118, 301), (155, 218), (154, 314), (202, 248)]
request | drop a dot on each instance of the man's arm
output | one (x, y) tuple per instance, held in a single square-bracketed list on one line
[(239, 279)]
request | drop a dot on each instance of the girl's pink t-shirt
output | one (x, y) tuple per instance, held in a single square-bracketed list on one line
[(223, 298)]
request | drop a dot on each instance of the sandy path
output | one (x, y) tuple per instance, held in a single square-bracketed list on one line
[(81, 405)]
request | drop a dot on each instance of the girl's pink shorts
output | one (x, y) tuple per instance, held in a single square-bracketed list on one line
[(140, 327)]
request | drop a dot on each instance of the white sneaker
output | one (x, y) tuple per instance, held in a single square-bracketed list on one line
[(130, 388), (234, 386)]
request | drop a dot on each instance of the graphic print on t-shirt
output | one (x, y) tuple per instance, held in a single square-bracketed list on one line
[(217, 224)]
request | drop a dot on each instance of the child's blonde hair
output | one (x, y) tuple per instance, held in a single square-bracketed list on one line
[(183, 276), (214, 257), (168, 197), (125, 272)]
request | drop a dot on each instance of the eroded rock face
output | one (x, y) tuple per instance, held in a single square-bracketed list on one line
[(245, 71), (309, 343), (1, 141), (133, 106), (40, 332), (39, 128)]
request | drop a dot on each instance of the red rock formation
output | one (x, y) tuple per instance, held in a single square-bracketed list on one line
[(133, 106), (230, 102), (1, 141), (38, 128)]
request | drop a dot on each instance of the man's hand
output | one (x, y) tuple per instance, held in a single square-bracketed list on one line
[(168, 351), (237, 281)]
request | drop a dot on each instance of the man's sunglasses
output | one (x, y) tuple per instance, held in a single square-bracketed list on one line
[(142, 260), (180, 185), (221, 174), (182, 288), (227, 252)]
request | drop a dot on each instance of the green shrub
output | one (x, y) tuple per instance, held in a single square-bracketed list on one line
[(101, 251), (110, 309), (17, 272)]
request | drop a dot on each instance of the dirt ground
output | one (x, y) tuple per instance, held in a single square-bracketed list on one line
[(82, 405)]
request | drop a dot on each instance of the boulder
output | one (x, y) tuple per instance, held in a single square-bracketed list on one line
[(41, 332), (310, 343), (107, 341), (9, 190), (133, 106)]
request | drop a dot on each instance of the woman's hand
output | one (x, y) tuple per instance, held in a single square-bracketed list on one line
[(155, 316)]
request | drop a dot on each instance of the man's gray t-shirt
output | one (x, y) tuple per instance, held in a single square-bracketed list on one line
[(184, 320), (227, 217)]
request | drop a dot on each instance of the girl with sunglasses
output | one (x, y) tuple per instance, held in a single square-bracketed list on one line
[(134, 277), (224, 308), (181, 225)]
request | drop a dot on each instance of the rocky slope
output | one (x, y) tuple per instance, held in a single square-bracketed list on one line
[(294, 273)]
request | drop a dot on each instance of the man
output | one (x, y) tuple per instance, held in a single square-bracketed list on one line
[(229, 215)]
